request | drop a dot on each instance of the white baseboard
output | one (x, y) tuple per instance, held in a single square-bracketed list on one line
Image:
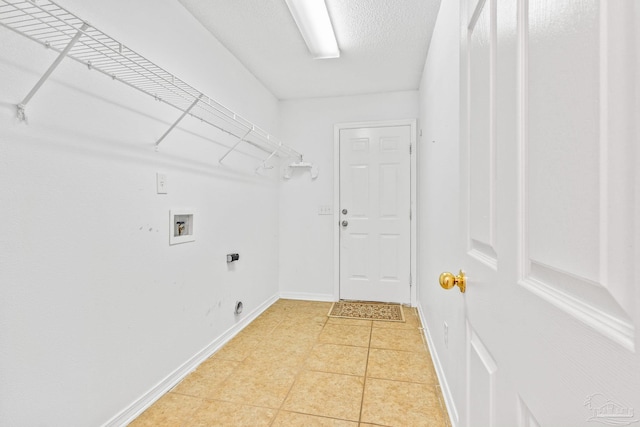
[(139, 406), (308, 296), (444, 385)]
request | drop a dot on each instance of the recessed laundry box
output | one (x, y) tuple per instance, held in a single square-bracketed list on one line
[(181, 226)]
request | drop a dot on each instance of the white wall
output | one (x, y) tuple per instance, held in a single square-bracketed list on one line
[(438, 199), (95, 307), (306, 238)]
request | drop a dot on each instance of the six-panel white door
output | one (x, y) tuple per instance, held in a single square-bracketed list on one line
[(550, 207), (374, 214)]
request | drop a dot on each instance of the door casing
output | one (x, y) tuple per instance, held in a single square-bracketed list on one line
[(336, 197)]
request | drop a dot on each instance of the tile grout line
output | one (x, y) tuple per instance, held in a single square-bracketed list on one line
[(193, 412), (302, 367), (326, 417), (240, 362), (203, 401), (298, 374), (366, 367)]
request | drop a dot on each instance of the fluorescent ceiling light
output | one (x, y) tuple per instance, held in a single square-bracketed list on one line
[(314, 24)]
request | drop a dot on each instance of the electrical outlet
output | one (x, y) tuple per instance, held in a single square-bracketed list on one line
[(446, 335), (161, 183), (324, 210)]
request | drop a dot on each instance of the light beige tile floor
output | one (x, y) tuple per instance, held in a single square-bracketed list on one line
[(294, 366)]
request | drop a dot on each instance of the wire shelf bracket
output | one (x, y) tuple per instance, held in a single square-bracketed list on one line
[(184, 114), (22, 115), (264, 164), (56, 28), (232, 149)]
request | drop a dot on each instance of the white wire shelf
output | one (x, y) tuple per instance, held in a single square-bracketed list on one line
[(56, 28)]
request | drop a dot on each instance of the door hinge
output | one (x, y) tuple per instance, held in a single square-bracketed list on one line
[(410, 148), (410, 280)]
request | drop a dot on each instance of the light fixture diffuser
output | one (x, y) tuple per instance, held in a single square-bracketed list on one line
[(312, 18)]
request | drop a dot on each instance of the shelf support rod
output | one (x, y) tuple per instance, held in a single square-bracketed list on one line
[(21, 107), (264, 162), (179, 120), (234, 147)]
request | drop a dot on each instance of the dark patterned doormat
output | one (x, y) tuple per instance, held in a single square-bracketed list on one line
[(367, 311)]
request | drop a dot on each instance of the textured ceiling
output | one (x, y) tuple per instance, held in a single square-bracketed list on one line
[(383, 44)]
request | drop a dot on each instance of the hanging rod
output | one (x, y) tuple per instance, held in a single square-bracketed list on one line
[(60, 30)]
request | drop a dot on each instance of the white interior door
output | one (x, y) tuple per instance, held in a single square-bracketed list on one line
[(374, 214), (550, 208)]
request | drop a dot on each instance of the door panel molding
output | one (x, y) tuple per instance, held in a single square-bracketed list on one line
[(612, 327), (481, 381), (481, 161), (483, 253), (526, 417), (412, 123), (573, 273)]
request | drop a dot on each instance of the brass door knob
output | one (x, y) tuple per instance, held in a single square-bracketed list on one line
[(448, 281)]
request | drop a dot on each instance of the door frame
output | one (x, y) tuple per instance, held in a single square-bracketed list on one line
[(412, 123)]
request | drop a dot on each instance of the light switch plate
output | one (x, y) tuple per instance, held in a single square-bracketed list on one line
[(324, 210), (161, 181)]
